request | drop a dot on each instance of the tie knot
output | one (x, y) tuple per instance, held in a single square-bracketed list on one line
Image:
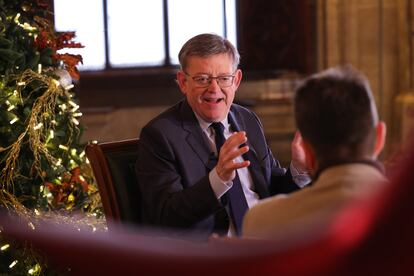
[(218, 127)]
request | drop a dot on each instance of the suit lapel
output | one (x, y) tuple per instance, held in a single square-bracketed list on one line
[(195, 136), (237, 123)]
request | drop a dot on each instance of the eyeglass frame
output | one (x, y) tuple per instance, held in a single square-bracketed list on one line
[(210, 79)]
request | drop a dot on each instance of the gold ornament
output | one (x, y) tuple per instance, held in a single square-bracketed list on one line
[(26, 6)]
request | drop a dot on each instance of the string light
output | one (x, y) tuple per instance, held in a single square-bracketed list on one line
[(63, 147), (25, 25), (51, 134), (82, 154), (38, 126), (14, 120), (63, 107), (39, 68), (11, 107), (16, 19), (28, 27), (5, 247), (69, 87), (31, 225), (76, 122), (13, 264), (75, 108), (73, 104), (79, 114), (35, 269), (20, 83), (73, 152)]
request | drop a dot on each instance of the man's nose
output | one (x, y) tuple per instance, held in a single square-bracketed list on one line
[(214, 84)]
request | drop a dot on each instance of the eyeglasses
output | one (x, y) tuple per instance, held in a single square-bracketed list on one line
[(205, 80)]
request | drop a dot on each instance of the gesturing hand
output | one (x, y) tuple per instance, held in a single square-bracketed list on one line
[(298, 153), (226, 166)]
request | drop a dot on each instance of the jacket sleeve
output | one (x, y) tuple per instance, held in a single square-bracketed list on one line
[(168, 199)]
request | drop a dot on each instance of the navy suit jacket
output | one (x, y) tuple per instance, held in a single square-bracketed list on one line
[(174, 161)]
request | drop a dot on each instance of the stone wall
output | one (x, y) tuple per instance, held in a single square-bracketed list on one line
[(376, 36)]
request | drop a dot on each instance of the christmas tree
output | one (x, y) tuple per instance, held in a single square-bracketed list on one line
[(42, 162)]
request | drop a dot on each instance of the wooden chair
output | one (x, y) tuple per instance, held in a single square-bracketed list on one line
[(113, 166)]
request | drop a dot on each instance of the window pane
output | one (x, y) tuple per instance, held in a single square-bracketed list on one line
[(187, 18), (231, 21), (86, 19), (136, 33)]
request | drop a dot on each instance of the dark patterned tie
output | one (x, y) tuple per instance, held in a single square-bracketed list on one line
[(235, 196)]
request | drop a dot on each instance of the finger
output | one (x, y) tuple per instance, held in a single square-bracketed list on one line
[(236, 139), (233, 143), (298, 138), (239, 165), (231, 154), (228, 171), (237, 152), (231, 165)]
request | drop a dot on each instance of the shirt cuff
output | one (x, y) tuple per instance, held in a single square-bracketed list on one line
[(219, 186), (300, 178)]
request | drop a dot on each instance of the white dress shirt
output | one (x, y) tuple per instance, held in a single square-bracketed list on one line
[(220, 187)]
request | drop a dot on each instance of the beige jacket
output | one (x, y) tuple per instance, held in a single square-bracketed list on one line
[(316, 205)]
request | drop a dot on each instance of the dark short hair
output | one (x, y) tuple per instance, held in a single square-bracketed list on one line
[(205, 45), (336, 114)]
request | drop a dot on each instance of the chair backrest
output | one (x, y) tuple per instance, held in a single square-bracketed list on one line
[(372, 237), (113, 166)]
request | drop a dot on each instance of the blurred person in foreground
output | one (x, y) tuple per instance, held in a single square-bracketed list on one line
[(205, 161), (342, 137)]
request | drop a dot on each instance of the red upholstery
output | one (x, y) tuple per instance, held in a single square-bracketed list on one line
[(369, 238)]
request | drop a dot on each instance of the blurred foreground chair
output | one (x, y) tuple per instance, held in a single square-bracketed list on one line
[(374, 237), (113, 166)]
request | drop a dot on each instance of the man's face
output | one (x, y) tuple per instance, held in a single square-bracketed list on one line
[(212, 102)]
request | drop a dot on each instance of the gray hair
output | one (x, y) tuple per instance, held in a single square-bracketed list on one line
[(205, 45)]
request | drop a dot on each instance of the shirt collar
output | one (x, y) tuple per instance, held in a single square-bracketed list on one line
[(331, 163), (205, 125)]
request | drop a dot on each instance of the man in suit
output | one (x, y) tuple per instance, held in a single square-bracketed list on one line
[(204, 162), (336, 115)]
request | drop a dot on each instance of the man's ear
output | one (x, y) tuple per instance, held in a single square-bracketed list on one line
[(237, 78), (182, 81), (381, 132)]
